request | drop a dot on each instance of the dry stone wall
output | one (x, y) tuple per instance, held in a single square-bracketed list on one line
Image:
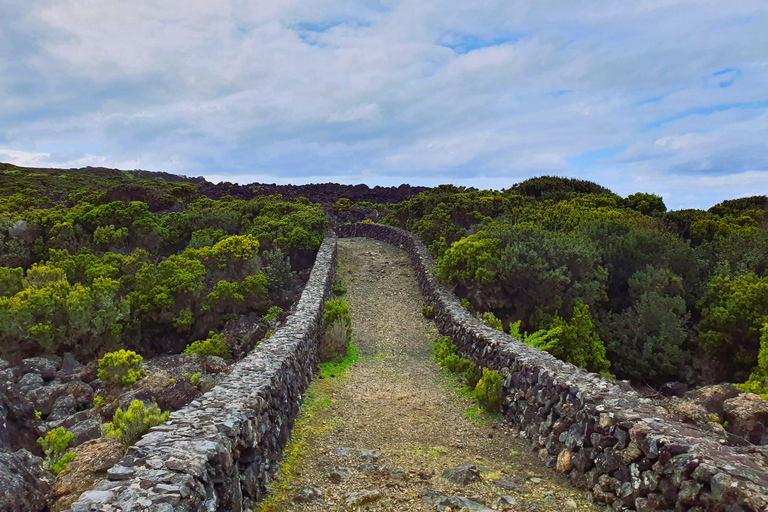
[(630, 454), (221, 451)]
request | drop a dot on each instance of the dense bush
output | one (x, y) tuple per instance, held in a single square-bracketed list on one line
[(130, 425), (338, 329), (120, 368)]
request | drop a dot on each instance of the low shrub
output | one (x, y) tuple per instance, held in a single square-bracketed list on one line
[(272, 313), (337, 310), (472, 375), (442, 348), (334, 343), (491, 321), (339, 288), (455, 364), (488, 391), (122, 367), (55, 444), (130, 425), (428, 312), (214, 345)]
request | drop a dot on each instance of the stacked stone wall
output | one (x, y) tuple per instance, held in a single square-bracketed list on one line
[(221, 451), (629, 453)]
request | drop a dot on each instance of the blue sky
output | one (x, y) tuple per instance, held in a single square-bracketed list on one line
[(668, 97)]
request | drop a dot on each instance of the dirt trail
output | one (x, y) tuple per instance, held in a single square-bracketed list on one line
[(397, 401)]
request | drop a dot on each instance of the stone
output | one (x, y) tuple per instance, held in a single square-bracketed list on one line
[(215, 365), (90, 499), (90, 465), (371, 455), (747, 416), (713, 397), (24, 484), (462, 475), (337, 475), (39, 365), (86, 430), (118, 472), (355, 499), (64, 406), (563, 461), (81, 392), (69, 363), (510, 484), (30, 382), (506, 501), (308, 494)]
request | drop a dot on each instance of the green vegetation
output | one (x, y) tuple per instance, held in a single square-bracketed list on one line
[(602, 281), (95, 260), (338, 329), (428, 312), (120, 368), (213, 345), (130, 425), (483, 384), (54, 445)]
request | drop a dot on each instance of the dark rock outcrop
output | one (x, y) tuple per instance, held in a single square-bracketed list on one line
[(24, 484)]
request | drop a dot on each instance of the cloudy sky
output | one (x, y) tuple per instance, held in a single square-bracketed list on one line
[(661, 96)]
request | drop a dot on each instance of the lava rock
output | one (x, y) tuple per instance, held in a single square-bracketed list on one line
[(355, 499), (215, 365), (747, 416), (64, 407), (510, 484), (29, 382), (69, 363), (308, 494), (39, 365), (678, 389), (24, 483), (86, 430), (462, 475)]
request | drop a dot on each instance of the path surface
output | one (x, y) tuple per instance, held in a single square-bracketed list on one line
[(396, 400)]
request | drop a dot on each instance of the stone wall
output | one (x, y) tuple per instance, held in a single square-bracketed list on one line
[(221, 451), (630, 454)]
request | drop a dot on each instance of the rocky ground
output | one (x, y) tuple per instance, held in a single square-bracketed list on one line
[(44, 393), (395, 432)]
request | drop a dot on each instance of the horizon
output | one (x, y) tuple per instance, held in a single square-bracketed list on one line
[(665, 98)]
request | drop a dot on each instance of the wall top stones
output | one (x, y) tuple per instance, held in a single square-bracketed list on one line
[(632, 454)]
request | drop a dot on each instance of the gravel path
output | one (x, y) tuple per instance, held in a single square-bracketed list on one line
[(380, 437)]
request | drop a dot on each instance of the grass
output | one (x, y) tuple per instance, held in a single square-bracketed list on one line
[(307, 429)]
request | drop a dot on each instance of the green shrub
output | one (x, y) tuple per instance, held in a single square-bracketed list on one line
[(472, 375), (129, 426), (120, 368), (98, 401), (468, 306), (428, 312), (214, 345), (54, 446), (339, 288), (488, 391), (337, 310), (491, 321), (455, 364), (195, 377), (272, 313), (442, 348)]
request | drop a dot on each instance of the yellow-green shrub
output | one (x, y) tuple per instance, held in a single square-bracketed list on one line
[(54, 446), (428, 312), (130, 425), (121, 367), (214, 345), (488, 391)]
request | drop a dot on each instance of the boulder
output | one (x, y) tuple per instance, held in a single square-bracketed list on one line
[(462, 475), (677, 389), (747, 416), (713, 397), (4, 365), (308, 494), (81, 392), (86, 430), (91, 462), (215, 365), (69, 363), (29, 382), (39, 365), (64, 407), (24, 484), (44, 397)]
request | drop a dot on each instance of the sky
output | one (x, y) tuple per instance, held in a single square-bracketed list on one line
[(660, 96)]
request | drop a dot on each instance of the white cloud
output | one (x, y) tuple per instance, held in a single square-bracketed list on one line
[(371, 90)]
